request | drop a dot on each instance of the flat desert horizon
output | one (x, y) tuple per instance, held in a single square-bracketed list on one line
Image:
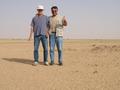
[(87, 65)]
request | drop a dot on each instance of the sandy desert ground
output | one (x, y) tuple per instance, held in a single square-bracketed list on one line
[(88, 65)]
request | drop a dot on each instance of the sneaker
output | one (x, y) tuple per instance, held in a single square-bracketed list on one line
[(35, 63), (46, 63)]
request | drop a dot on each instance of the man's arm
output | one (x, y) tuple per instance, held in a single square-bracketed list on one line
[(30, 36), (48, 27), (64, 21)]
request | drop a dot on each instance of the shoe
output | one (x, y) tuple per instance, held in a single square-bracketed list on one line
[(61, 64), (52, 63), (35, 63), (46, 63)]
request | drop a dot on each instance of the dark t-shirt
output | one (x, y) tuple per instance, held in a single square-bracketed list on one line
[(40, 25)]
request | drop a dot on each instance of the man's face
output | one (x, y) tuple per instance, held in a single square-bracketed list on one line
[(54, 11), (40, 11)]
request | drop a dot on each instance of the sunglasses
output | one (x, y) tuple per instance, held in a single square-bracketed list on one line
[(40, 10), (54, 10)]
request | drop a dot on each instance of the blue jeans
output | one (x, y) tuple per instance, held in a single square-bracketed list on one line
[(44, 41), (59, 43)]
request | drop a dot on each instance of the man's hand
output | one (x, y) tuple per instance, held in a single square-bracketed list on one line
[(30, 36), (64, 21), (47, 34), (29, 39)]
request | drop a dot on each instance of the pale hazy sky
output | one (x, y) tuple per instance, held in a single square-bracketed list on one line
[(88, 19)]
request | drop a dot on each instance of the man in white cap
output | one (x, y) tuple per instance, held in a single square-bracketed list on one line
[(39, 26)]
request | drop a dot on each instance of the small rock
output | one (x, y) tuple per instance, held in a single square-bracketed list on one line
[(95, 72)]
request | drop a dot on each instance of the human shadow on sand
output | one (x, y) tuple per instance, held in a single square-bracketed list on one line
[(20, 60)]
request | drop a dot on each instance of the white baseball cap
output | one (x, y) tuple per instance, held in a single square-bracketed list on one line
[(40, 7)]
